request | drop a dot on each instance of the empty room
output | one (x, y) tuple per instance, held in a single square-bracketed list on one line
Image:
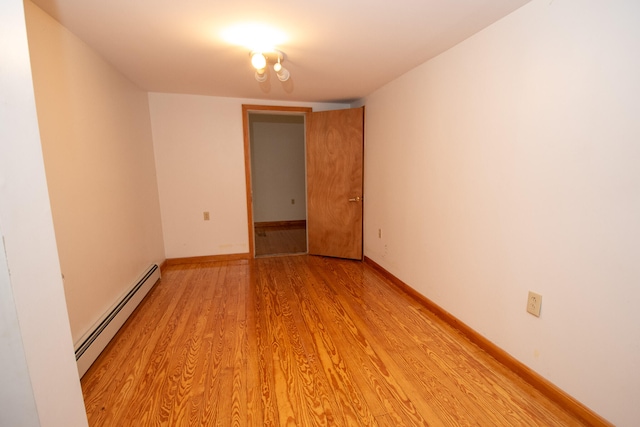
[(319, 213)]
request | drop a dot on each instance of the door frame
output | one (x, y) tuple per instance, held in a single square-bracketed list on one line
[(250, 108)]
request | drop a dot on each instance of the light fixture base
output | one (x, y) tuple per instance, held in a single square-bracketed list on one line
[(261, 60), (273, 56)]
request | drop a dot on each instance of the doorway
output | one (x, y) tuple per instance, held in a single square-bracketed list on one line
[(334, 148), (276, 142)]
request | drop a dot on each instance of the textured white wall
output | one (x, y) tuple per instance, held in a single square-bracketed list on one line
[(511, 163), (39, 383), (278, 168), (199, 151), (98, 152)]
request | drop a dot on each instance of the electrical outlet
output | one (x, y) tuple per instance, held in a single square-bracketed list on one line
[(533, 303), (293, 201), (206, 216), (379, 233)]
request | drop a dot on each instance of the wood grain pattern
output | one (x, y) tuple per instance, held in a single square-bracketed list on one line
[(286, 239), (550, 390), (334, 175), (302, 223), (299, 341)]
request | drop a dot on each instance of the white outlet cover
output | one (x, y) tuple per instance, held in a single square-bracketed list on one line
[(534, 303)]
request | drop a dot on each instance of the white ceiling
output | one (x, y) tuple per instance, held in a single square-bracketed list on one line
[(337, 50)]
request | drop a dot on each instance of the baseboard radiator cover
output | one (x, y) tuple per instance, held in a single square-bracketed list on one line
[(89, 347)]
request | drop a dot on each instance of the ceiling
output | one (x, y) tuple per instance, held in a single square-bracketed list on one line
[(336, 50)]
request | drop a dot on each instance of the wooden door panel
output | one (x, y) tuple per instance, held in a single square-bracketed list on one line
[(334, 175)]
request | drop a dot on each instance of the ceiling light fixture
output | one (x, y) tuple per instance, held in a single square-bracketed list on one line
[(260, 60), (261, 75), (282, 73)]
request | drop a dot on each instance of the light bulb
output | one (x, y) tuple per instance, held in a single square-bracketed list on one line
[(277, 67), (258, 61)]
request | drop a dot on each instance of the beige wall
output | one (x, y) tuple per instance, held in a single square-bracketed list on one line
[(199, 151), (511, 163), (506, 164), (98, 152), (38, 378)]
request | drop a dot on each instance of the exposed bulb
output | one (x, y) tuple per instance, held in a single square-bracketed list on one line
[(258, 61), (277, 66)]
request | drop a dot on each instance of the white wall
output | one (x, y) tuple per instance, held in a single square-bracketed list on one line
[(199, 151), (17, 403), (98, 152), (512, 163), (39, 383), (278, 172)]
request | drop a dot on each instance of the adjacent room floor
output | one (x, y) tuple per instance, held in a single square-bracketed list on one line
[(299, 340), (277, 240)]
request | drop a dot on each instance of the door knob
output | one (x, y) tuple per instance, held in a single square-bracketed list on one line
[(355, 199)]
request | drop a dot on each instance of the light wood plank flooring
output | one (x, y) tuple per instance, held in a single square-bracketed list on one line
[(298, 341)]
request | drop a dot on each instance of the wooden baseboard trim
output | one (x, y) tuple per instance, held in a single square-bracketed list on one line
[(163, 265), (544, 386), (208, 258), (296, 223)]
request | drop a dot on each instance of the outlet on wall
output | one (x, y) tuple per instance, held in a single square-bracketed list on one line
[(379, 233), (533, 303), (206, 216)]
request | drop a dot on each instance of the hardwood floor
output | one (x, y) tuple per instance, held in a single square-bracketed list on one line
[(287, 239), (299, 340)]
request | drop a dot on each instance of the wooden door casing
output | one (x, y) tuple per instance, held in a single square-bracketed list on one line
[(246, 109)]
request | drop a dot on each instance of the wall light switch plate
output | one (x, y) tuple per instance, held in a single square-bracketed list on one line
[(534, 302)]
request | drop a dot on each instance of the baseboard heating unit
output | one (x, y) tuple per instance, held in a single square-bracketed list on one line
[(93, 342)]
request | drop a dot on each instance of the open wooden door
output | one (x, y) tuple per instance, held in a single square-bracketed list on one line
[(335, 146)]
